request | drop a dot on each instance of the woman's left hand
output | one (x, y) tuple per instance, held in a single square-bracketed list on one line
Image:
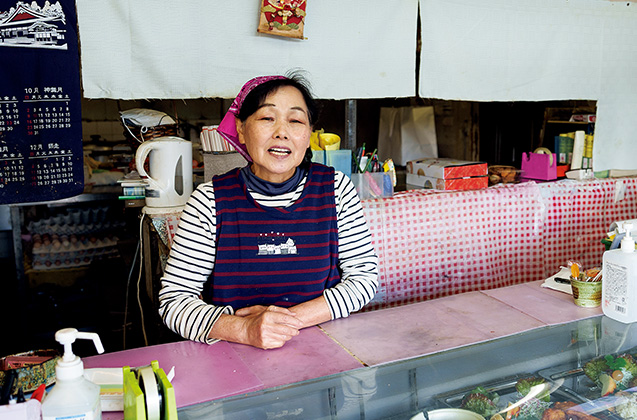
[(266, 327), (269, 327)]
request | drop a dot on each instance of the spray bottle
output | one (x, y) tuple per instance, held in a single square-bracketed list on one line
[(73, 396), (619, 280)]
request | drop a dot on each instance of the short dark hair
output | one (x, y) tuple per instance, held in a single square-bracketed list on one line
[(256, 98)]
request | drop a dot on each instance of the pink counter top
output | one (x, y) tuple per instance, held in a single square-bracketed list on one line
[(208, 372), (202, 372), (453, 321), (427, 327), (311, 354), (546, 305)]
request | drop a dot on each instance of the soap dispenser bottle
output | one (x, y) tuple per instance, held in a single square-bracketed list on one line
[(73, 396), (619, 280)]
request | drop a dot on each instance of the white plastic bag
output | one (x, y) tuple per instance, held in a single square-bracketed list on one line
[(142, 117)]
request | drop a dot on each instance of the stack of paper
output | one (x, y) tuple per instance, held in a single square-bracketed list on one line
[(211, 140)]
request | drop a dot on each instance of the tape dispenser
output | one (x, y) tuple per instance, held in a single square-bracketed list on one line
[(148, 394)]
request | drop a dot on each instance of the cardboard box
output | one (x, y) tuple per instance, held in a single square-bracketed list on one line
[(561, 170), (455, 184), (446, 168), (588, 118)]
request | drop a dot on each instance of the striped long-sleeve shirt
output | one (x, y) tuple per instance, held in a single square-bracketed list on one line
[(192, 259)]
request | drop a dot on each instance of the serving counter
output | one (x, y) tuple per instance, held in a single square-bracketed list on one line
[(390, 363)]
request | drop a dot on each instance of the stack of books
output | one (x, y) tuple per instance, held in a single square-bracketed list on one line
[(575, 149)]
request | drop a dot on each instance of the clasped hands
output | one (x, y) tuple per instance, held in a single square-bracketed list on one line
[(269, 327)]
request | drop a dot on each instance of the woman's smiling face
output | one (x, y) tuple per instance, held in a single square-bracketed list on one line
[(277, 134)]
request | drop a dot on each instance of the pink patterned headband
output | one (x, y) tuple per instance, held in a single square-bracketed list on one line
[(227, 128)]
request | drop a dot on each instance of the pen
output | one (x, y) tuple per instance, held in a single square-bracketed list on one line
[(354, 163), (357, 159)]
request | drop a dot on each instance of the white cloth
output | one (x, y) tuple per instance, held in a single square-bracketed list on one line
[(199, 48), (502, 50)]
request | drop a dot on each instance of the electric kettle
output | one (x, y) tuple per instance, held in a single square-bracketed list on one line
[(170, 167)]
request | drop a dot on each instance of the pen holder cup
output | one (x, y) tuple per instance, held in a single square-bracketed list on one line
[(587, 294), (371, 185)]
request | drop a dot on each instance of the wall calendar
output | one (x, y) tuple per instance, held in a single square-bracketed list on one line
[(40, 102)]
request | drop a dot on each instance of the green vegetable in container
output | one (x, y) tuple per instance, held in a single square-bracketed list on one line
[(493, 396), (630, 364), (481, 401), (622, 369), (594, 368), (523, 386)]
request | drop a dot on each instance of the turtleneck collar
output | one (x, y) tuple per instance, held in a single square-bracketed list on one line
[(263, 187)]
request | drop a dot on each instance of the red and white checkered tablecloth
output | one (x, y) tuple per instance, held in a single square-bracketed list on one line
[(579, 214), (433, 244)]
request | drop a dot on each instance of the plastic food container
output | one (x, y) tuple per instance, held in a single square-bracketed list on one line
[(373, 185)]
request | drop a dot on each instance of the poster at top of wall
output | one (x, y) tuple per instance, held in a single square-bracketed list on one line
[(282, 18), (40, 102)]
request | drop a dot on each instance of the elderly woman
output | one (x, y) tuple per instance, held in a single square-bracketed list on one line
[(279, 245)]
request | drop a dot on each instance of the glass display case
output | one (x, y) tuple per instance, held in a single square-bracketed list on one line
[(73, 258), (549, 365)]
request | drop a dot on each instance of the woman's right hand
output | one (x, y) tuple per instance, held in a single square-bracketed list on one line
[(266, 327)]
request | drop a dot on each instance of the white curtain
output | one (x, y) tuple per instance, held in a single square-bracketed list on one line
[(518, 50), (487, 50), (200, 48)]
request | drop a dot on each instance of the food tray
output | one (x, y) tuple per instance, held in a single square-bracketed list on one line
[(574, 378), (508, 394)]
